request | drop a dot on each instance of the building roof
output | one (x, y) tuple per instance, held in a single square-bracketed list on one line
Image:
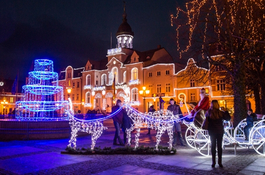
[(151, 57), (124, 28)]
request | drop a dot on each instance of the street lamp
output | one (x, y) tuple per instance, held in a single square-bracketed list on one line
[(143, 93), (4, 103)]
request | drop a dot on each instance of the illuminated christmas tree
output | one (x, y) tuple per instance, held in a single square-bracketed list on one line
[(43, 98)]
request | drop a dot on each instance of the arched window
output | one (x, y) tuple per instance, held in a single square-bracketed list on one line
[(134, 73), (88, 97), (110, 78), (88, 79), (134, 94), (103, 79), (124, 76), (115, 74)]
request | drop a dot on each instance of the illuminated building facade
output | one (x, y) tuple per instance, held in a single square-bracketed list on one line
[(91, 87)]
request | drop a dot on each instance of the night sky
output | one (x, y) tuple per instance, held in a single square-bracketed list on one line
[(71, 32)]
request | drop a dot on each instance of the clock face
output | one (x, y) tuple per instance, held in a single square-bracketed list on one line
[(114, 62)]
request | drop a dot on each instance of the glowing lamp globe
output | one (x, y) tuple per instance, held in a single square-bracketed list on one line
[(141, 92), (69, 90)]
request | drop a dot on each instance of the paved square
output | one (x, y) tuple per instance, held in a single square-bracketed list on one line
[(183, 160), (257, 167), (129, 169), (34, 163), (16, 150)]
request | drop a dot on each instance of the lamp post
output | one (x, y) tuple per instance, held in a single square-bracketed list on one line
[(143, 93), (4, 104)]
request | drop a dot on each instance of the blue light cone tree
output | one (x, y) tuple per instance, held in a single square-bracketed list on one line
[(43, 98)]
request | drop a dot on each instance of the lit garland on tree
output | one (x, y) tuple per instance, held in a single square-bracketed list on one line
[(235, 27)]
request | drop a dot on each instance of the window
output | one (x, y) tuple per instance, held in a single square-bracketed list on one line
[(124, 76), (73, 85), (192, 83), (134, 94), (88, 97), (69, 75), (77, 96), (221, 85), (218, 68), (167, 87), (150, 88), (103, 79), (192, 96), (150, 74), (167, 72), (73, 97), (134, 73), (158, 73), (77, 85), (158, 88), (96, 82), (115, 74), (88, 80), (219, 48), (11, 99), (110, 78)]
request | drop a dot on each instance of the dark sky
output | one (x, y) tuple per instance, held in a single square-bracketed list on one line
[(71, 32)]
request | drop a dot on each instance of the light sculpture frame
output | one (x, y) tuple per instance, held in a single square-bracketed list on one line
[(42, 98)]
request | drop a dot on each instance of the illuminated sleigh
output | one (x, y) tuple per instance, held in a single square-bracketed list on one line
[(199, 139)]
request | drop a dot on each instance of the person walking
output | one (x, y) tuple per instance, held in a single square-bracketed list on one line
[(215, 119), (251, 117), (173, 107), (117, 121), (151, 110)]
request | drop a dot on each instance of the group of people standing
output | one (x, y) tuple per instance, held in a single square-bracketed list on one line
[(202, 111)]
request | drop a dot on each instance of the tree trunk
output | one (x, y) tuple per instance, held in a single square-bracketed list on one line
[(257, 99), (239, 89), (263, 98)]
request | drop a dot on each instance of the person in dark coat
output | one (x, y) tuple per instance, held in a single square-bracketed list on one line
[(216, 130), (151, 109), (173, 107), (117, 121), (126, 124), (251, 117)]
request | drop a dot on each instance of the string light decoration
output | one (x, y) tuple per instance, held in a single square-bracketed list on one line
[(94, 127), (218, 21), (161, 121), (231, 29), (43, 98)]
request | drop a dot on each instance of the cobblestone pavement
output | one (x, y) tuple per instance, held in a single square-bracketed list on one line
[(43, 157)]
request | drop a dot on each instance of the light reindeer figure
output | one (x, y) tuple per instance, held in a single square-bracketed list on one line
[(94, 127), (161, 121)]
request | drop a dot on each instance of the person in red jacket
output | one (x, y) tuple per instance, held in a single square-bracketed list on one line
[(198, 113)]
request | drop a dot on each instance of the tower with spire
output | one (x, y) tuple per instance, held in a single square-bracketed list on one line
[(124, 34)]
